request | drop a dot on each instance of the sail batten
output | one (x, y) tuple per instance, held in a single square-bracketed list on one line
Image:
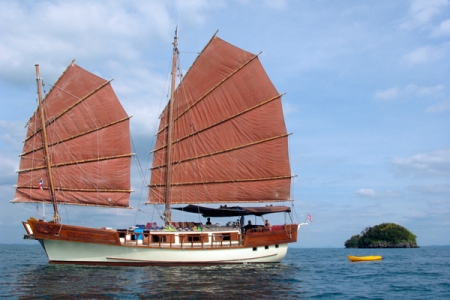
[(248, 191), (97, 159), (76, 136), (210, 91), (48, 122), (223, 151), (220, 122), (215, 87), (228, 135), (68, 189), (89, 145), (77, 204), (222, 181), (64, 72)]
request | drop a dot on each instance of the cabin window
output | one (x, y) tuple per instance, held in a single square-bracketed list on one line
[(158, 238), (276, 246), (266, 247), (254, 248), (226, 237), (194, 239)]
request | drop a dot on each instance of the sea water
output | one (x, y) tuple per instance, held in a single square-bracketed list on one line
[(422, 273)]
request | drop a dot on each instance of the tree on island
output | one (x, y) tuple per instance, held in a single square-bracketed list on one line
[(386, 235)]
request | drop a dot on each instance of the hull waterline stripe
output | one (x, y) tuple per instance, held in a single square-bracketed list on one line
[(193, 262)]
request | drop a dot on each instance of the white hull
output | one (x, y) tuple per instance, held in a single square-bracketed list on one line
[(89, 253)]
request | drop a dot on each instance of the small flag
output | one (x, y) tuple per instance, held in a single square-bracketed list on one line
[(41, 184), (309, 217)]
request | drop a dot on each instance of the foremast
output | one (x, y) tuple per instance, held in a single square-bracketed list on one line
[(167, 210), (56, 217)]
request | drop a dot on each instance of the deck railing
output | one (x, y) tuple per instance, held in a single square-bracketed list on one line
[(217, 238)]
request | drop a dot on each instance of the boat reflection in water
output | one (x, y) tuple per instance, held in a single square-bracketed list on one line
[(250, 281)]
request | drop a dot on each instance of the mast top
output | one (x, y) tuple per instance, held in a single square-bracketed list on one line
[(175, 41)]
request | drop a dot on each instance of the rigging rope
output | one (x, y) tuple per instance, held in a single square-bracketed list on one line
[(142, 176), (142, 173)]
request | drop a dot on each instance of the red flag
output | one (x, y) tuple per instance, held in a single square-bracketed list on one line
[(309, 217)]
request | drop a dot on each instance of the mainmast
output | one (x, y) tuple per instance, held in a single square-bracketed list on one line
[(48, 162), (167, 210)]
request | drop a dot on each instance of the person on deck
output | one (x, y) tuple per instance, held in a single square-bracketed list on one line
[(249, 226), (267, 226), (208, 222)]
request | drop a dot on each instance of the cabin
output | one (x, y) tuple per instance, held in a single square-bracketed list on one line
[(197, 235)]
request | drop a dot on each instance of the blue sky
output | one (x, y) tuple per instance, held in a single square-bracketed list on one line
[(368, 98)]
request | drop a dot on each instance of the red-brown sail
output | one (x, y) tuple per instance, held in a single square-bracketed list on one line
[(89, 145), (229, 137)]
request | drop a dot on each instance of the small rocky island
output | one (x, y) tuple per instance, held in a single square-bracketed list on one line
[(386, 235)]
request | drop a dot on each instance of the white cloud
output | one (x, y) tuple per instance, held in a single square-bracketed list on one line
[(410, 90), (439, 107), (422, 12), (424, 55), (370, 193), (424, 90), (195, 12), (442, 30), (431, 189), (425, 16), (435, 164), (289, 108), (9, 167), (55, 32), (387, 94), (9, 130), (278, 4)]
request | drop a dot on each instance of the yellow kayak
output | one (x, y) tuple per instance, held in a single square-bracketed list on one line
[(364, 258)]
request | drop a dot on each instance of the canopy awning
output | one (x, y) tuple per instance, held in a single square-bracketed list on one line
[(233, 211)]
